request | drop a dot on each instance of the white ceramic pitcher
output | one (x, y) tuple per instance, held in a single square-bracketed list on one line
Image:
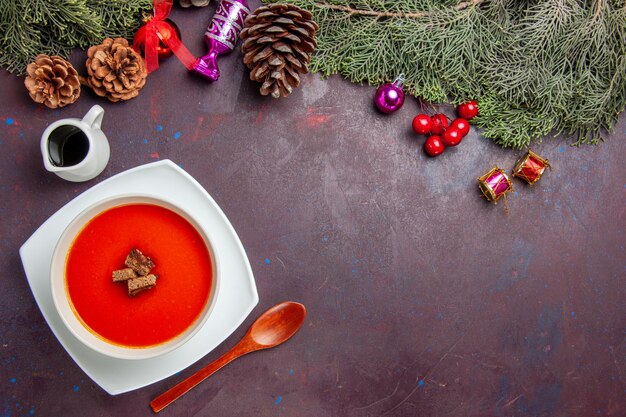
[(74, 149)]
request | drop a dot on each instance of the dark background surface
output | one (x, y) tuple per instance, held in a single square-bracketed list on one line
[(422, 298)]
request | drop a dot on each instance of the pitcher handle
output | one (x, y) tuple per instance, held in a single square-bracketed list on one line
[(93, 118)]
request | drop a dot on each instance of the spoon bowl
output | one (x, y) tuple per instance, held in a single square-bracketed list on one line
[(277, 324), (273, 327)]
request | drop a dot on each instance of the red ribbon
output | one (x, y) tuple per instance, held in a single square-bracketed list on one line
[(162, 10)]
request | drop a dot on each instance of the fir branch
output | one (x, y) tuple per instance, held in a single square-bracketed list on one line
[(69, 22), (18, 35), (120, 18), (404, 15), (598, 9), (31, 27), (555, 66)]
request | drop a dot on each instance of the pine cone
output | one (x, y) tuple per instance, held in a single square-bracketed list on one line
[(52, 80), (196, 3), (115, 70), (278, 41)]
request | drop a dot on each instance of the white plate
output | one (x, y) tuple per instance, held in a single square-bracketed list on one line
[(236, 299)]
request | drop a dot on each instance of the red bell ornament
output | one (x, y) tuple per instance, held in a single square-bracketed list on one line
[(164, 34)]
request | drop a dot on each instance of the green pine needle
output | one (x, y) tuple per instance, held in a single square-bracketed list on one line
[(535, 67), (31, 27)]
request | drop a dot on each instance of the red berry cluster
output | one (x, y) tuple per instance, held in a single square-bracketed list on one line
[(441, 133)]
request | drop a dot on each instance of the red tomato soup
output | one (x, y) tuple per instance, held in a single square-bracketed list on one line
[(154, 316)]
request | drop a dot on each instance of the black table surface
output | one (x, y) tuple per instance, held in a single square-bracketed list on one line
[(423, 298)]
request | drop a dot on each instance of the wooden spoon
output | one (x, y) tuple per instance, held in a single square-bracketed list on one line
[(271, 329)]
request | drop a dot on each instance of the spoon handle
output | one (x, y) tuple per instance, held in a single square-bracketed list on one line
[(169, 396)]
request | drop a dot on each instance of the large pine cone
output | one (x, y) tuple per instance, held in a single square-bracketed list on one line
[(115, 70), (278, 41), (52, 80)]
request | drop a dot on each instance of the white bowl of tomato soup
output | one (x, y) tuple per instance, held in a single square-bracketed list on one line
[(100, 312)]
